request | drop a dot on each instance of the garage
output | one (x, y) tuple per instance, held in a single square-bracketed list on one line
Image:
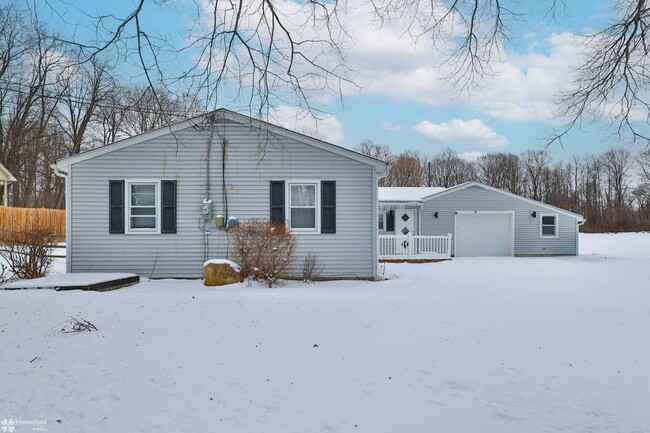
[(484, 234)]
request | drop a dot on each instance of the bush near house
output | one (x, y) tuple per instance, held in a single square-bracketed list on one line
[(265, 250), (28, 252)]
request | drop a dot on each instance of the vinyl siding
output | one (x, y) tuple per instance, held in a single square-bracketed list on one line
[(252, 161), (527, 229)]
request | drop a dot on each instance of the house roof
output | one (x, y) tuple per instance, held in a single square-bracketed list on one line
[(506, 193), (406, 194), (223, 114), (5, 175)]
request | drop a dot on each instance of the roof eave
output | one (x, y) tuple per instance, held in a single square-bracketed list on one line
[(507, 193), (381, 167)]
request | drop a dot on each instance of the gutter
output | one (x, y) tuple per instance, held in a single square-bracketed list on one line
[(58, 172)]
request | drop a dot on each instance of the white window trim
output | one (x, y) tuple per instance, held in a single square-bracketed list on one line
[(287, 204), (557, 225), (383, 220), (127, 205)]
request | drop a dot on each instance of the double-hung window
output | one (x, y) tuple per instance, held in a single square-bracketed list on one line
[(381, 221), (308, 206), (303, 199), (143, 206), (548, 226)]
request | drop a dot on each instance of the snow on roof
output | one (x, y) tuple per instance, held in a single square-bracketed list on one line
[(403, 193)]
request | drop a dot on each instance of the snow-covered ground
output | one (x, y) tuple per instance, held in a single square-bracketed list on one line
[(471, 345)]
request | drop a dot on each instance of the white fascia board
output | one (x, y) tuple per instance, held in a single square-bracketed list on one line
[(506, 193)]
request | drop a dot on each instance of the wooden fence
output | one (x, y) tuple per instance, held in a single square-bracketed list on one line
[(16, 219)]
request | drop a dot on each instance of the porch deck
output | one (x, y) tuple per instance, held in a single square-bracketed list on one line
[(412, 248)]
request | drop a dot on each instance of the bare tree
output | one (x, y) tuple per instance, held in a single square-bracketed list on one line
[(407, 169), (257, 53), (374, 150), (612, 81), (618, 164), (30, 91), (447, 169), (643, 161), (147, 108), (535, 163), (500, 170)]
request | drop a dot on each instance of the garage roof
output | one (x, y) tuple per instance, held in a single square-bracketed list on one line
[(506, 193), (406, 194)]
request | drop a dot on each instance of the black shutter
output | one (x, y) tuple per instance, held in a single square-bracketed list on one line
[(277, 201), (390, 221), (116, 206), (328, 206), (168, 206)]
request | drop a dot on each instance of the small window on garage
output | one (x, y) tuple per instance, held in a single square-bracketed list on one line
[(548, 226)]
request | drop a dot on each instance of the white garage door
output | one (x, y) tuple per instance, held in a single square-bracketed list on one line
[(483, 234)]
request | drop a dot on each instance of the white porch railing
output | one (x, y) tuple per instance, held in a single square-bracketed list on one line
[(414, 247)]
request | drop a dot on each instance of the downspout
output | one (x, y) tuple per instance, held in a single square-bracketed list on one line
[(377, 175), (580, 223), (68, 216)]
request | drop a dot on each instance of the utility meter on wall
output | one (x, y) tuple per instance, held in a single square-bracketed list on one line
[(206, 210)]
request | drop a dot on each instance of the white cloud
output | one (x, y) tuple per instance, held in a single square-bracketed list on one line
[(387, 62), (390, 126), (520, 88), (325, 127), (471, 133), (470, 156)]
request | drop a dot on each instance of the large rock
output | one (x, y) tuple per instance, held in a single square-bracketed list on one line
[(221, 272)]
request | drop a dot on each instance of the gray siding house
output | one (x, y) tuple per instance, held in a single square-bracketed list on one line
[(487, 221), (148, 204)]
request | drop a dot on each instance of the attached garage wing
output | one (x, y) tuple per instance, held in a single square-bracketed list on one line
[(484, 234)]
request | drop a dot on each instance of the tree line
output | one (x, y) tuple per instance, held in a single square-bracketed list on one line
[(55, 103), (611, 189)]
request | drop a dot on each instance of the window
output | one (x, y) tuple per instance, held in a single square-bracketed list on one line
[(303, 209), (308, 206), (143, 207), (548, 226), (380, 223)]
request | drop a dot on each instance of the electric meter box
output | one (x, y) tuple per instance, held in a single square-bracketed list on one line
[(206, 209)]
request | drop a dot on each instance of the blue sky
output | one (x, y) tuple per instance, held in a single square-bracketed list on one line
[(403, 102)]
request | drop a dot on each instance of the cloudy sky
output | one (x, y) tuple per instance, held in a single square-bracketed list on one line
[(403, 101)]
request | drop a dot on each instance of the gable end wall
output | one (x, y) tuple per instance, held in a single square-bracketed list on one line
[(347, 253), (527, 240)]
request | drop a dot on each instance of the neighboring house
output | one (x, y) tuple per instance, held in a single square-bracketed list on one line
[(148, 204), (5, 179), (483, 220)]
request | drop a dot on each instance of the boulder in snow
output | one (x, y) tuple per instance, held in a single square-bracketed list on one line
[(221, 272)]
